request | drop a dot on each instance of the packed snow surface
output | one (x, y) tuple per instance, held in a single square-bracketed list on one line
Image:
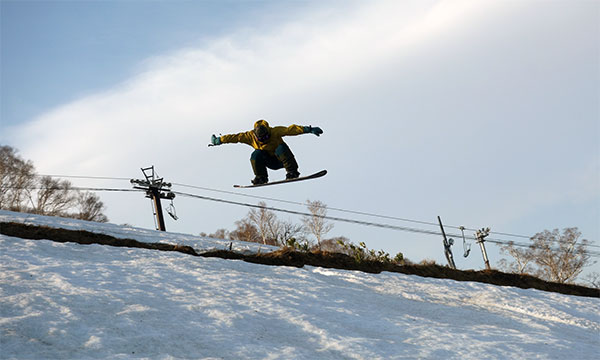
[(71, 301)]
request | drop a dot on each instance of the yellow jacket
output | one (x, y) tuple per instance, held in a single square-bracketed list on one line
[(275, 139)]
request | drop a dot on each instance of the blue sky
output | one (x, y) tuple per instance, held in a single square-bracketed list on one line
[(89, 45), (485, 113)]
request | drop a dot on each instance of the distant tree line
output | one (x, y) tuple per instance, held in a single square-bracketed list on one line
[(551, 256), (22, 190), (262, 225)]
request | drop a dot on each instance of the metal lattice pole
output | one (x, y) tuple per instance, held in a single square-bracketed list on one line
[(156, 190)]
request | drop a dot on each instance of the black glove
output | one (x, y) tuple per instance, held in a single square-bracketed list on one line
[(315, 130), (215, 140)]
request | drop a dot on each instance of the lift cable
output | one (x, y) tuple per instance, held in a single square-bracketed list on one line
[(85, 177), (294, 203), (361, 222), (303, 204), (332, 218)]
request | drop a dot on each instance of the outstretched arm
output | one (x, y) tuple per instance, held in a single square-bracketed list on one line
[(296, 130), (245, 137)]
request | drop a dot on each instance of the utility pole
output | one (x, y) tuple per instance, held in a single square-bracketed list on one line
[(155, 189), (481, 235), (447, 244)]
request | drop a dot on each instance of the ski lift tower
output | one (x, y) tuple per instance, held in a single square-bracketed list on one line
[(156, 189), (480, 235)]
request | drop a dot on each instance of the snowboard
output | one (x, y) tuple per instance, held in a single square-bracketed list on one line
[(312, 176)]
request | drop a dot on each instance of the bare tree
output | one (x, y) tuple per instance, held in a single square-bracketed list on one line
[(316, 223), (266, 222), (287, 230), (54, 197), (22, 190), (17, 178), (245, 231), (90, 207), (560, 258), (552, 256), (524, 259)]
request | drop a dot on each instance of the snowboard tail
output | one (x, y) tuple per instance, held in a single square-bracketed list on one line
[(307, 177)]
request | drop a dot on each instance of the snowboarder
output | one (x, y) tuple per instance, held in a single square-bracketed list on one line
[(270, 149)]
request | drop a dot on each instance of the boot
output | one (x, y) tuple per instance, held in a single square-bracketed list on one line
[(292, 174), (260, 180)]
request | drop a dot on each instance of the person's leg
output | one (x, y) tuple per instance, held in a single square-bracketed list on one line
[(258, 159), (285, 155)]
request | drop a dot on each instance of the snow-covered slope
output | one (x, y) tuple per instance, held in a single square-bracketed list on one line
[(70, 301)]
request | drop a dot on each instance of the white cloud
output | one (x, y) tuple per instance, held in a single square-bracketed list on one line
[(180, 98)]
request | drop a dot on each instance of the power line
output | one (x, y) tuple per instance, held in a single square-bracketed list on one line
[(360, 222), (589, 252), (72, 188), (84, 177), (346, 210), (303, 204), (104, 189), (297, 203), (278, 200), (308, 214), (332, 218), (501, 241), (369, 214)]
